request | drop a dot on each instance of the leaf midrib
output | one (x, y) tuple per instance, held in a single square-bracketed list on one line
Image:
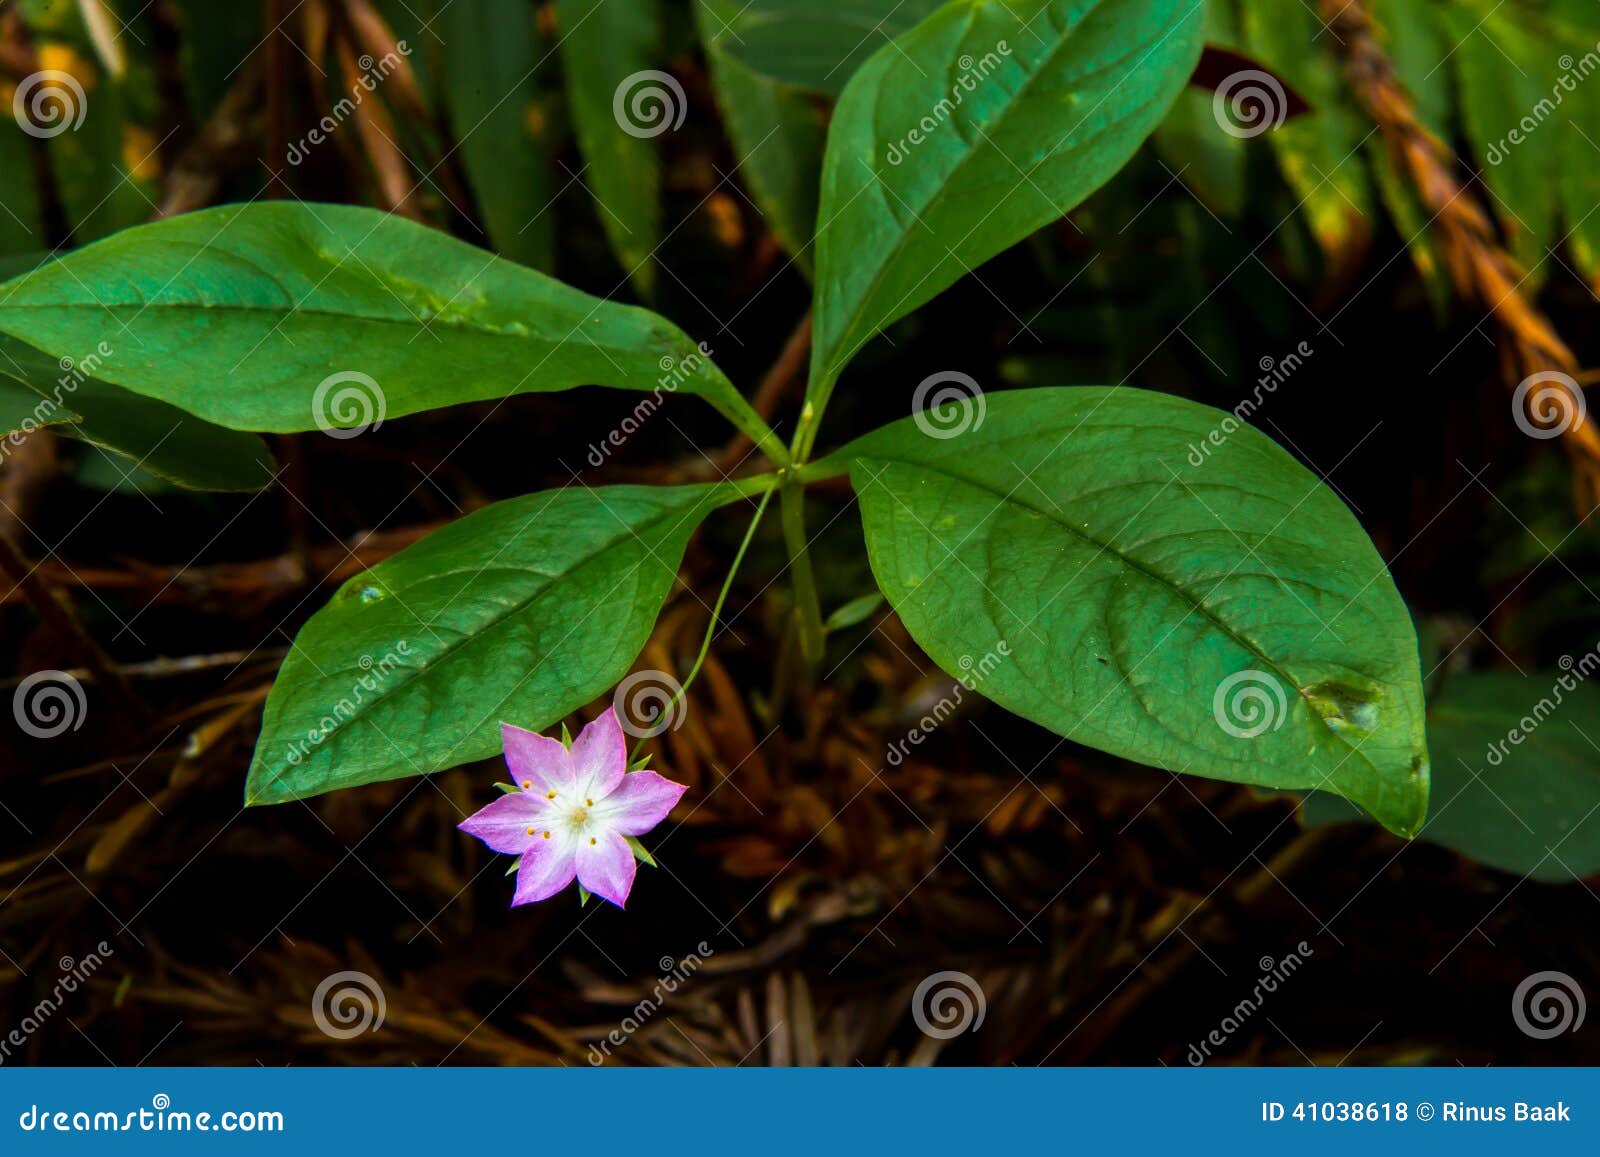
[(1153, 575), (448, 321), (960, 166), (509, 612)]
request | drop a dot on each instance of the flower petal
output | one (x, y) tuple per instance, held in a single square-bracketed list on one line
[(503, 824), (547, 867), (606, 866), (641, 801), (537, 760), (600, 756)]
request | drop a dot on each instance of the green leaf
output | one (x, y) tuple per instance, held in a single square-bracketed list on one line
[(1504, 76), (814, 45), (640, 852), (216, 40), (98, 125), (520, 612), (1208, 160), (777, 137), (1137, 573), (98, 468), (261, 317), (1399, 197), (605, 46), (138, 431), (857, 610), (1320, 153), (21, 225), (22, 410), (1410, 32), (491, 53), (981, 124), (1517, 779)]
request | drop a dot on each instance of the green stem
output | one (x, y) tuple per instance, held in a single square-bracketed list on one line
[(793, 493), (731, 404), (716, 614), (831, 466)]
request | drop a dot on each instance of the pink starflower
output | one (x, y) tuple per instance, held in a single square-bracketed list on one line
[(571, 811)]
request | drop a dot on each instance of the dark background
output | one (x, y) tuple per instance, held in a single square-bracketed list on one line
[(1111, 913)]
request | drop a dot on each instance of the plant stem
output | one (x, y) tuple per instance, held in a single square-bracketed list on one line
[(793, 493), (731, 404), (789, 368), (716, 614), (809, 606)]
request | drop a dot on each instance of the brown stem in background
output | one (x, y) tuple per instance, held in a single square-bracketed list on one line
[(226, 141), (377, 133), (788, 369), (53, 610), (276, 57), (1479, 265)]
